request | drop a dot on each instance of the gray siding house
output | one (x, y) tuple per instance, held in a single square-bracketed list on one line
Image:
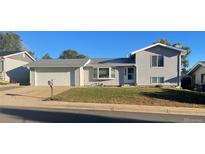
[(197, 73), (153, 65), (14, 66)]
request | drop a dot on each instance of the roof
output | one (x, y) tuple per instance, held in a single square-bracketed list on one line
[(4, 54), (159, 44), (59, 63), (111, 62), (195, 67)]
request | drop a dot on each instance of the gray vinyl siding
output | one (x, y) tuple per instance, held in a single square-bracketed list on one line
[(196, 75), (89, 80), (170, 70), (1, 66), (32, 76), (16, 71)]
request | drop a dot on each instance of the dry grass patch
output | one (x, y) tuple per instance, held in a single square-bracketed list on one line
[(135, 95)]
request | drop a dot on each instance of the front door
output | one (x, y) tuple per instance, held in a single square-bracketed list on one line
[(129, 75)]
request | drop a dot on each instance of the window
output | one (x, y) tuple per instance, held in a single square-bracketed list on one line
[(104, 73), (157, 61), (130, 72), (154, 61), (161, 80), (157, 80), (95, 73), (112, 73), (154, 80), (160, 61), (202, 78)]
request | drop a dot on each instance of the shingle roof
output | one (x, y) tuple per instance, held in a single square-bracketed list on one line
[(59, 63), (111, 62), (202, 62), (6, 53)]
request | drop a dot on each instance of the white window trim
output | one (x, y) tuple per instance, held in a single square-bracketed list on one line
[(110, 73), (157, 61), (157, 80)]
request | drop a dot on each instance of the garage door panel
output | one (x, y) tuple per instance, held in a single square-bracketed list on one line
[(59, 77)]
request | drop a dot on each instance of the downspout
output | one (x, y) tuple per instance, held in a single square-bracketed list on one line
[(179, 70)]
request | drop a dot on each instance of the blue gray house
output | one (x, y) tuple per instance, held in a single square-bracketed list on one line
[(153, 65)]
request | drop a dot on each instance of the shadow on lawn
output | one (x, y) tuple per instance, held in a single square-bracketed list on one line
[(177, 95), (65, 117)]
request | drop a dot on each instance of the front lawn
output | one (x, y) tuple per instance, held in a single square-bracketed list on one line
[(3, 83), (134, 95)]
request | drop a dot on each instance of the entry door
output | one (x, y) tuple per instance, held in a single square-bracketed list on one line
[(129, 74)]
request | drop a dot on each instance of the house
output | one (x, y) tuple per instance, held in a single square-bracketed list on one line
[(13, 66), (197, 73), (153, 65)]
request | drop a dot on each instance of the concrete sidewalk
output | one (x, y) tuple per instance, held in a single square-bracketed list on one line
[(107, 107)]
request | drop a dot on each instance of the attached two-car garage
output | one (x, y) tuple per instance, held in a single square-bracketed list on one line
[(63, 72), (60, 76)]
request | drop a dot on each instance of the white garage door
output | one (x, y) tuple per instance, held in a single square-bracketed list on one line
[(60, 77)]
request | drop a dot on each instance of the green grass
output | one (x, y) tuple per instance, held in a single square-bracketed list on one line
[(134, 95), (4, 83)]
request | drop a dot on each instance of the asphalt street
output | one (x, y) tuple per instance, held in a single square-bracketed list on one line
[(22, 115)]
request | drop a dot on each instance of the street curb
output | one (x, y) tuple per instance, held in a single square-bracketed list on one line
[(112, 107)]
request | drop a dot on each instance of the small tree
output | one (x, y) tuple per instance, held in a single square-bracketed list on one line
[(163, 41), (47, 56), (71, 54)]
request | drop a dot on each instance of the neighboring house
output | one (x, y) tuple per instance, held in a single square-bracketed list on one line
[(13, 66), (153, 65), (197, 73)]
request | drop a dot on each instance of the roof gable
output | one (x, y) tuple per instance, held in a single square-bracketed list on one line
[(160, 44), (6, 54), (196, 66)]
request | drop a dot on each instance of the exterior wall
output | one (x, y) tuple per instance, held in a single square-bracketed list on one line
[(16, 71), (81, 76), (77, 77), (170, 70), (61, 76), (1, 66), (22, 57), (89, 80), (32, 77), (197, 75)]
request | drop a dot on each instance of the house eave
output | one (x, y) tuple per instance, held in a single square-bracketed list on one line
[(182, 51)]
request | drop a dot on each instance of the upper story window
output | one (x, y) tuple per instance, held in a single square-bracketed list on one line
[(202, 78), (104, 73), (157, 61)]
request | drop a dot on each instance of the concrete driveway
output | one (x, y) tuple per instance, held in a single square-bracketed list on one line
[(24, 94)]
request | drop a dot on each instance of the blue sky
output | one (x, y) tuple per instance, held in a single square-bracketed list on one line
[(109, 44)]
